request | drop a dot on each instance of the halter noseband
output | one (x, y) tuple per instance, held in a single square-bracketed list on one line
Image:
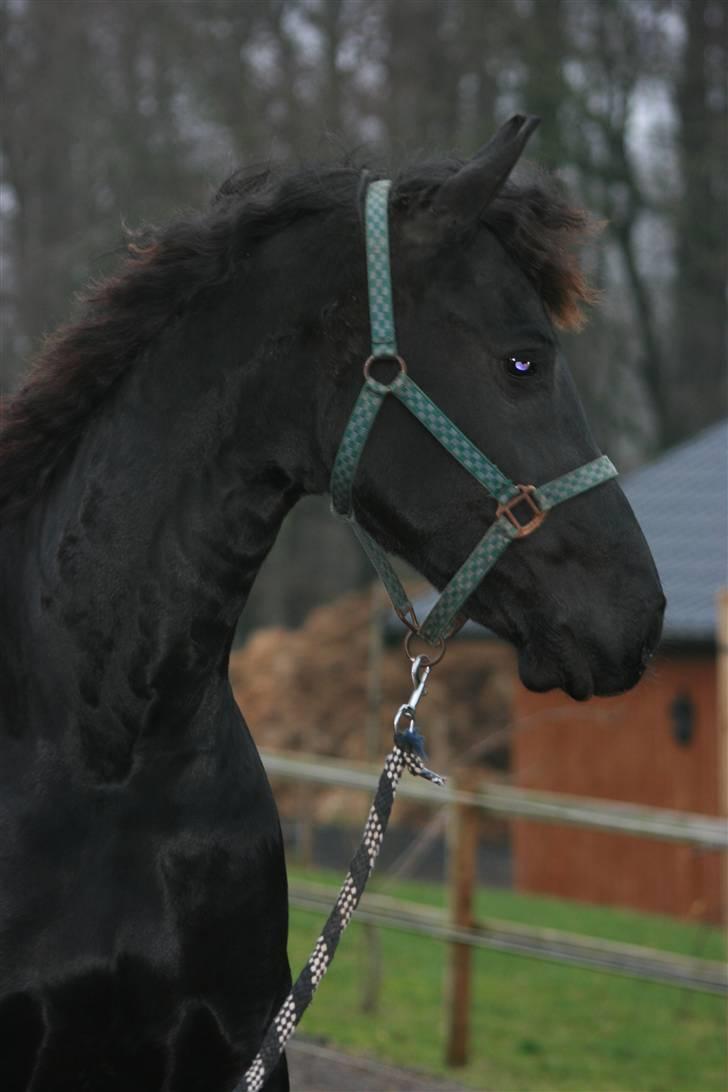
[(441, 621)]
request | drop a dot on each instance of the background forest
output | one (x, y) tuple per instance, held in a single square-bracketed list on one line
[(116, 112)]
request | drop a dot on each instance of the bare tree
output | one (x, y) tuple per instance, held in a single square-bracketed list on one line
[(701, 220)]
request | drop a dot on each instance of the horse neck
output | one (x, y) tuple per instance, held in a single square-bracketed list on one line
[(138, 561)]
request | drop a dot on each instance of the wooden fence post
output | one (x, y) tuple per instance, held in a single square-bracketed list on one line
[(463, 845), (722, 680)]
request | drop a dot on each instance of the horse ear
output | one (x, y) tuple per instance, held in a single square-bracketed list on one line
[(464, 196)]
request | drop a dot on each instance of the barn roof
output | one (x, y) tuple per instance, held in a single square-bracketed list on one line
[(681, 502)]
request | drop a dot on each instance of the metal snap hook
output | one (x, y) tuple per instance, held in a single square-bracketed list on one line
[(420, 674)]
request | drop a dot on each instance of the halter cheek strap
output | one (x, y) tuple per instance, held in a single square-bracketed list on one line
[(513, 500)]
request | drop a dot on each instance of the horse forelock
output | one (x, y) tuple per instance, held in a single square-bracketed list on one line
[(544, 234)]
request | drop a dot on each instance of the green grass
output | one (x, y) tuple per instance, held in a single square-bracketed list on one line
[(535, 1025)]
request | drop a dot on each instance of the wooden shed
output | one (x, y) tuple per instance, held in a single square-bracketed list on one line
[(657, 745)]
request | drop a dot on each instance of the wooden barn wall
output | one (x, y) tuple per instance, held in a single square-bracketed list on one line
[(621, 749)]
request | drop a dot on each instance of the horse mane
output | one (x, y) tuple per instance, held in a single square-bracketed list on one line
[(165, 269), (543, 233)]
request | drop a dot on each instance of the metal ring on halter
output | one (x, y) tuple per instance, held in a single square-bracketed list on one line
[(376, 383), (427, 661)]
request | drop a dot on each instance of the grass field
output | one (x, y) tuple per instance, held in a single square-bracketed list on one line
[(535, 1025)]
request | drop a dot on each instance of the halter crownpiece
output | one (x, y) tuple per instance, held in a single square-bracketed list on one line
[(512, 499)]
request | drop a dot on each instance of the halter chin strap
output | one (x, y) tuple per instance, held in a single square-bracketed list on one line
[(512, 499)]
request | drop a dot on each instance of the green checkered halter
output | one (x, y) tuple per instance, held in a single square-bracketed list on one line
[(441, 621)]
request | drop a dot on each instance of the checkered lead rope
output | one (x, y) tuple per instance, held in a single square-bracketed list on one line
[(407, 752)]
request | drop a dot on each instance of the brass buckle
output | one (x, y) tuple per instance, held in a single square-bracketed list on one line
[(408, 618), (524, 496)]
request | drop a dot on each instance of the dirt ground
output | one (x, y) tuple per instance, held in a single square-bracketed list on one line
[(315, 1068)]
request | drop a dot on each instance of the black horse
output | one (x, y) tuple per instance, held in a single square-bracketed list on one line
[(145, 469)]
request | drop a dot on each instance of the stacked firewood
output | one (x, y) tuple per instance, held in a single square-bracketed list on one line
[(330, 688)]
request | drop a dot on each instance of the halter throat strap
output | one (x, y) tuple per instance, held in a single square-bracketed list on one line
[(521, 508)]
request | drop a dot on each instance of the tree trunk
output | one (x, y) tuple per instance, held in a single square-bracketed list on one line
[(702, 221)]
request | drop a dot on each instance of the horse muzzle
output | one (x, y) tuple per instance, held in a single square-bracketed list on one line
[(591, 664)]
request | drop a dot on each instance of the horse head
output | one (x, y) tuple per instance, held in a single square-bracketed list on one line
[(482, 276)]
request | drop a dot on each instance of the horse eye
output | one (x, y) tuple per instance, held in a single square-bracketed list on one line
[(519, 365)]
